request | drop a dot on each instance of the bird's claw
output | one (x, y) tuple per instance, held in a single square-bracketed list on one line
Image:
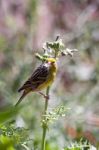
[(45, 96)]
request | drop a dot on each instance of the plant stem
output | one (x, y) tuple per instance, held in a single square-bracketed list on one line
[(44, 126)]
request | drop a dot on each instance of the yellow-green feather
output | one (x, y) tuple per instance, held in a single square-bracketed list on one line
[(50, 78)]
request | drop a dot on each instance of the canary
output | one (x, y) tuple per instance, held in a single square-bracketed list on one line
[(40, 79)]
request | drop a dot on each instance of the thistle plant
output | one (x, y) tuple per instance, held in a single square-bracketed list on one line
[(54, 50)]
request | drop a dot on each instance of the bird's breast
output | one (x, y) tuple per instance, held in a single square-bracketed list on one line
[(50, 78)]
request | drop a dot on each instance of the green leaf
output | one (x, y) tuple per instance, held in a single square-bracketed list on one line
[(6, 143), (7, 114)]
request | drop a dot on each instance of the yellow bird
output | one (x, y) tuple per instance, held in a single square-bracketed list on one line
[(41, 78)]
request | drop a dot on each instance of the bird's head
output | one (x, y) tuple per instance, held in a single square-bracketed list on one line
[(51, 60), (52, 63)]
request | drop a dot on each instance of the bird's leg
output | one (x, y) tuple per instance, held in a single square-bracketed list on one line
[(45, 96)]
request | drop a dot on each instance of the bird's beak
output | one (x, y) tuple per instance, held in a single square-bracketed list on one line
[(49, 63)]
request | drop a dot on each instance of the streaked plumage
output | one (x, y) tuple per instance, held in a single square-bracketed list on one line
[(41, 78)]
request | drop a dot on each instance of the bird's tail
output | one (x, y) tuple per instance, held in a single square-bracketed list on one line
[(21, 98)]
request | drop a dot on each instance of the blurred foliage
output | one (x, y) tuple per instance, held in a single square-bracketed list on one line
[(12, 138), (7, 114), (24, 26)]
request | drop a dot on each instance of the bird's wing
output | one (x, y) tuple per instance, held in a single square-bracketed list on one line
[(38, 77)]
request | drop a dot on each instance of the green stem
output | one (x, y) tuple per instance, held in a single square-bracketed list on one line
[(44, 126)]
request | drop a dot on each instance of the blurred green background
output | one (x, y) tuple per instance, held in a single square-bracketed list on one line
[(24, 26)]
